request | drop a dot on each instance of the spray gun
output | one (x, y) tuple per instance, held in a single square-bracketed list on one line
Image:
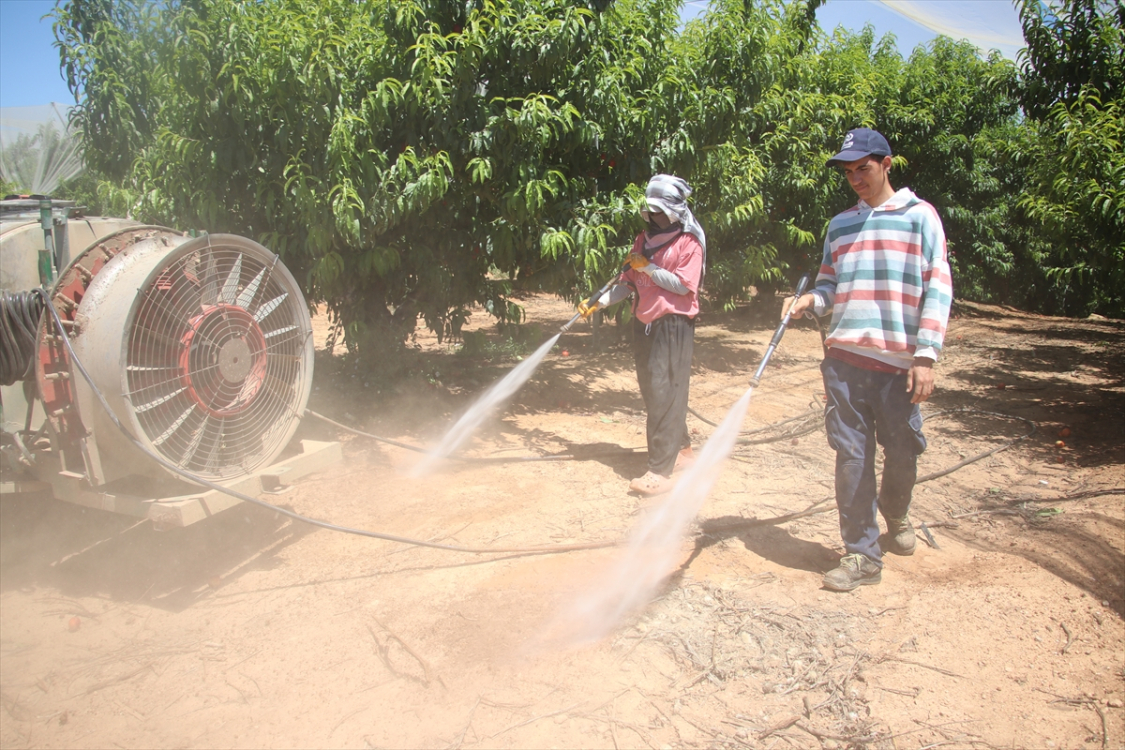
[(801, 284), (595, 297)]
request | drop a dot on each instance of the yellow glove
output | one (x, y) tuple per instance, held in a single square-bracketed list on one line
[(587, 310), (637, 261)]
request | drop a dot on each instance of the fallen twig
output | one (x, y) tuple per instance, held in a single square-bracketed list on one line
[(1084, 495), (616, 723), (920, 664), (888, 609), (821, 735), (239, 690), (426, 670), (945, 742), (928, 536), (534, 719), (468, 725), (1082, 702), (779, 726), (242, 661), (1000, 512), (711, 530), (116, 680), (1069, 637), (984, 454), (14, 708)]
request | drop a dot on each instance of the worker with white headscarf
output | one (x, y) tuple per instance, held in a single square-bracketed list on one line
[(665, 274)]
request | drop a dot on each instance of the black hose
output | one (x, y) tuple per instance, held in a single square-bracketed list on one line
[(19, 323), (44, 302), (465, 459), (546, 549)]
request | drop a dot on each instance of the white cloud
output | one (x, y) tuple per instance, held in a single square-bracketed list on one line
[(989, 24)]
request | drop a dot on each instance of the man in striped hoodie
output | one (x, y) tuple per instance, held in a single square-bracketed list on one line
[(885, 279)]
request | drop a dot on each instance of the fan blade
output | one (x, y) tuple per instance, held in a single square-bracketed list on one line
[(280, 331), (174, 426), (209, 290), (269, 307), (251, 289), (193, 446), (230, 286), (163, 399)]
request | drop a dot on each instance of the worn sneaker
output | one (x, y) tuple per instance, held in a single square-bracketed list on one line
[(855, 570), (899, 539)]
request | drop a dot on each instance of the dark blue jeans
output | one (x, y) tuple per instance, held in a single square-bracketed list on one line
[(866, 408)]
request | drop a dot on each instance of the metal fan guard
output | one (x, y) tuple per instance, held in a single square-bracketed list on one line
[(216, 371)]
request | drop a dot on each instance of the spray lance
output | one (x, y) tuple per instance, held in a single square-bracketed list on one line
[(595, 297), (801, 284)]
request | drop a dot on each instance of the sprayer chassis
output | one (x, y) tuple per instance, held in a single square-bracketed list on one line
[(80, 458), (177, 510)]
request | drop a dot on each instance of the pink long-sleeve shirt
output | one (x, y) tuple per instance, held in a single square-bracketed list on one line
[(684, 258)]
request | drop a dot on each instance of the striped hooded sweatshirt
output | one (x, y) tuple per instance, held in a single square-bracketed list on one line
[(885, 278)]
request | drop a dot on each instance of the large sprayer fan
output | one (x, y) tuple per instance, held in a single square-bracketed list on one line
[(202, 346)]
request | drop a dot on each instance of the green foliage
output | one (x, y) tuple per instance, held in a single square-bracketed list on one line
[(8, 187), (415, 158), (395, 154), (1074, 47), (1073, 165), (1069, 156), (83, 190), (514, 345)]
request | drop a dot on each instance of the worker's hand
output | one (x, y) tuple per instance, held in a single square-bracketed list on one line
[(920, 379), (587, 310), (798, 306), (638, 262)]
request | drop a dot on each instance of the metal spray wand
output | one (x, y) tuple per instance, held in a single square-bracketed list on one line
[(801, 284), (594, 298)]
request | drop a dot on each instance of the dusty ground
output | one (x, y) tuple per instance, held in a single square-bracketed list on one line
[(250, 631)]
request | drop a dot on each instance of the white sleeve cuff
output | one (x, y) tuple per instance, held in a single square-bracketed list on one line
[(820, 305)]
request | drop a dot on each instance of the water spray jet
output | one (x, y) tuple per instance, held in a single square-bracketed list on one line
[(654, 543), (497, 394)]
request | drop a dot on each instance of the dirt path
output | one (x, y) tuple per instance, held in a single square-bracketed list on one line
[(250, 631)]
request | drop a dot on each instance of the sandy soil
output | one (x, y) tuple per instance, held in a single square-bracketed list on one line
[(251, 631)]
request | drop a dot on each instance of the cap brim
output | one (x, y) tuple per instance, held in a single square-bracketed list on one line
[(846, 156)]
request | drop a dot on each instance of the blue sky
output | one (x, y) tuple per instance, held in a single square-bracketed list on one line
[(29, 63)]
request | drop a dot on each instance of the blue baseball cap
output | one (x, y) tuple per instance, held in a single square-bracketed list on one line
[(859, 143)]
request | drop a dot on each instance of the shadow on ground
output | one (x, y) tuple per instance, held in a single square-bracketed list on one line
[(80, 552), (771, 542), (1077, 547)]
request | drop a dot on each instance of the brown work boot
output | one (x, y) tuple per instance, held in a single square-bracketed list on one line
[(899, 539), (855, 570)]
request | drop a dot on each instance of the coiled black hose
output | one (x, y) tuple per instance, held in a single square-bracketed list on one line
[(19, 322)]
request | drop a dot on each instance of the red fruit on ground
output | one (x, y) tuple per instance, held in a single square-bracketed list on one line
[(1064, 432)]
